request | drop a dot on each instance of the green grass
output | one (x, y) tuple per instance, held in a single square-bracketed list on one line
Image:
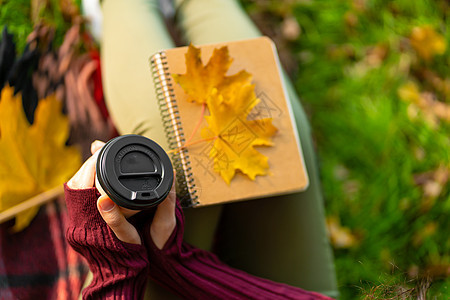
[(369, 145), (17, 15)]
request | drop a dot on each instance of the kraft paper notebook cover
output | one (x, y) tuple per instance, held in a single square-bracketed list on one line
[(197, 183)]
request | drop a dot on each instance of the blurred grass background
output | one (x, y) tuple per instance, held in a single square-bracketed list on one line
[(374, 78)]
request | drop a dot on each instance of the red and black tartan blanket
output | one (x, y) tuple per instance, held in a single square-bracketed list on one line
[(38, 263)]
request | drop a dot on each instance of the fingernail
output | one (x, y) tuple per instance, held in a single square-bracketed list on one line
[(106, 204), (96, 144)]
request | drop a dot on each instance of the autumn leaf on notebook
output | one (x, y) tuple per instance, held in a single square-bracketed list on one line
[(228, 122), (199, 81), (229, 99)]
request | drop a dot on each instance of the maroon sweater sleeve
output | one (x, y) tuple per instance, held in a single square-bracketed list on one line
[(197, 274), (120, 270)]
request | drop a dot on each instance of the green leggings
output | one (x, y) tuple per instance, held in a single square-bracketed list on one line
[(282, 239)]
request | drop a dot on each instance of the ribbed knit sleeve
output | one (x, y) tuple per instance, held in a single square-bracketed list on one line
[(197, 274), (120, 270)]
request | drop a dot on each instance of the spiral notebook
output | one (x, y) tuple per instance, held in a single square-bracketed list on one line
[(197, 182)]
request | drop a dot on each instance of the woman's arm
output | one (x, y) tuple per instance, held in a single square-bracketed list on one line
[(99, 231), (120, 269), (119, 263), (197, 274)]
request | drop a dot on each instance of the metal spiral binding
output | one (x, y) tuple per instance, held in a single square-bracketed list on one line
[(186, 189)]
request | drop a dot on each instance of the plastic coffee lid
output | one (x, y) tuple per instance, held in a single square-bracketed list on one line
[(134, 171)]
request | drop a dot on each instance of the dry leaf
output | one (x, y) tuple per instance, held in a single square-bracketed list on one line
[(427, 42), (199, 81), (340, 172), (431, 105), (340, 236), (33, 158), (440, 85), (409, 92), (376, 55), (432, 109), (229, 99), (235, 136), (290, 28), (432, 183)]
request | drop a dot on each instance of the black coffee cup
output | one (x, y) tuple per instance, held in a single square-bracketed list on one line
[(134, 171)]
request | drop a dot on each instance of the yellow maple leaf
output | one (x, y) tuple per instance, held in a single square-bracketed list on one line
[(427, 42), (33, 158), (409, 92), (235, 136), (341, 237), (199, 80)]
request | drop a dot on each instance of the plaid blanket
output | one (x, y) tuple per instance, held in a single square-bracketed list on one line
[(38, 263)]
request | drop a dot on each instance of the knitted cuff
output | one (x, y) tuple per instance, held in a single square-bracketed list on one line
[(82, 206), (86, 225), (119, 269)]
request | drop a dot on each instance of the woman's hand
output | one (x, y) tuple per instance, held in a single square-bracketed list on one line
[(112, 214), (164, 220), (85, 177)]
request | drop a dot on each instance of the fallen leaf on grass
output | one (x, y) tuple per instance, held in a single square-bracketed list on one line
[(409, 92), (33, 158), (290, 28), (433, 110), (427, 42), (440, 85), (340, 237), (432, 183)]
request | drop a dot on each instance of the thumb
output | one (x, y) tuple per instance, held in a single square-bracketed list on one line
[(164, 221), (112, 215)]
